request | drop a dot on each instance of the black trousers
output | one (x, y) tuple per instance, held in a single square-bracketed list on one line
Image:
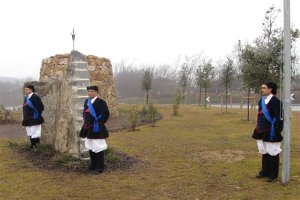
[(92, 160), (270, 166), (273, 166), (97, 161), (34, 142)]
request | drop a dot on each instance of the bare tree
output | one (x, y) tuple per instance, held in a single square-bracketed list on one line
[(199, 79), (186, 74), (183, 79), (192, 62)]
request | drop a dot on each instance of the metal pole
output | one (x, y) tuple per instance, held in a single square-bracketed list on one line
[(73, 38), (287, 92)]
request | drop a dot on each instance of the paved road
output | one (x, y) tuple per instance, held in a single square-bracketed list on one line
[(294, 107)]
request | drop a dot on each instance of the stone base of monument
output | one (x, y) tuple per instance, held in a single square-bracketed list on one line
[(84, 153)]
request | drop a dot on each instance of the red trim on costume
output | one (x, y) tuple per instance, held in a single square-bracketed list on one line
[(87, 127)]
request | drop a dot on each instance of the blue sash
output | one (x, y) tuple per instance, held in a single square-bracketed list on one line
[(96, 127), (35, 113), (268, 117)]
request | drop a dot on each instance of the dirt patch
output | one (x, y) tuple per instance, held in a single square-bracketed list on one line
[(117, 123), (11, 129), (46, 158), (229, 156)]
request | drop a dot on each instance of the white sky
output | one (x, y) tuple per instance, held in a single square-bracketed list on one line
[(140, 31)]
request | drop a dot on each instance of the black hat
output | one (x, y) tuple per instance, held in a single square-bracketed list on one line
[(273, 86), (92, 88), (30, 87)]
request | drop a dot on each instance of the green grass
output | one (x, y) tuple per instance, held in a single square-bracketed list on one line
[(110, 155), (200, 154)]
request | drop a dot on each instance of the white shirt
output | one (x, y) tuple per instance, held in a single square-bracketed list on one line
[(29, 95), (268, 98), (93, 99)]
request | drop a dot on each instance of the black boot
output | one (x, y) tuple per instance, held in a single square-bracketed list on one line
[(265, 166), (31, 142), (34, 142), (99, 162), (273, 168), (92, 165)]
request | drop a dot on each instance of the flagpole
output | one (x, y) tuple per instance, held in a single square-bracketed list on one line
[(287, 92)]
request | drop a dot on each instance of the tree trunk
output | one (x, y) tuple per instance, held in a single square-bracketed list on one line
[(200, 96), (187, 97), (226, 92), (205, 97), (147, 97), (248, 110), (183, 96)]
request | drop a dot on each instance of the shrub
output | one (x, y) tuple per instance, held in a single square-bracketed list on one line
[(152, 114), (176, 102), (134, 117), (110, 155), (144, 110)]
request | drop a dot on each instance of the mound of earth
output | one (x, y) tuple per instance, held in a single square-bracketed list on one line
[(46, 158)]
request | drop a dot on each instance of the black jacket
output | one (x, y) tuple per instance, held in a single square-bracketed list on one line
[(28, 112), (100, 108), (263, 128)]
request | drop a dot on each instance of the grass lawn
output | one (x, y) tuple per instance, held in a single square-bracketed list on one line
[(200, 154)]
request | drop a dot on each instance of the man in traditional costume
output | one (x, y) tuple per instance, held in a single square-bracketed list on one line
[(95, 115), (32, 115), (268, 131)]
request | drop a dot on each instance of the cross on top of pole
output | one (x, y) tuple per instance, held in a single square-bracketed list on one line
[(73, 37)]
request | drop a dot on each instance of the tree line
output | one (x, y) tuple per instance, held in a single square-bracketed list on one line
[(243, 71)]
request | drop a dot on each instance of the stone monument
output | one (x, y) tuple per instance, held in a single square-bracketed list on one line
[(62, 87)]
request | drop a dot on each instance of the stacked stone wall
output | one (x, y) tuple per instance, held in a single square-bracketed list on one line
[(100, 74)]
